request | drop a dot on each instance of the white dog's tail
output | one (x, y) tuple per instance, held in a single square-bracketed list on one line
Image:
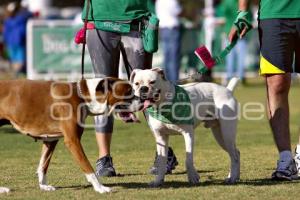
[(232, 83)]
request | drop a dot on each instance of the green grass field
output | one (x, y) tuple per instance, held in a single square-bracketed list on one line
[(133, 151)]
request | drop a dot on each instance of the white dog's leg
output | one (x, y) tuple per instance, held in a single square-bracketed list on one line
[(162, 152), (47, 152), (228, 131), (216, 130), (97, 186), (193, 176), (4, 190), (43, 182)]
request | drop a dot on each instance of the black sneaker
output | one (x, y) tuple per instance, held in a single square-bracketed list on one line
[(171, 163), (286, 170), (104, 167)]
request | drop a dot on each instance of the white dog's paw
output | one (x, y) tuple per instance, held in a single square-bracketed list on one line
[(4, 190), (155, 184), (193, 176), (47, 187), (103, 189)]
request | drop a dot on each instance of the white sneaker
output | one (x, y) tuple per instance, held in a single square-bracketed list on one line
[(297, 158)]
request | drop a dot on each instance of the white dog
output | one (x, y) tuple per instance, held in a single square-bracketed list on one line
[(210, 103)]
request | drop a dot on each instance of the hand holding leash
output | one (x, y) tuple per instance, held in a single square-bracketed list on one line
[(241, 25), (243, 22)]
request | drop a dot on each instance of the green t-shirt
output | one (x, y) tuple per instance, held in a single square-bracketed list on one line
[(228, 9), (117, 10), (277, 9)]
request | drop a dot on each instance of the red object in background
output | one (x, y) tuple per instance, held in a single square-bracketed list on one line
[(36, 14), (205, 56)]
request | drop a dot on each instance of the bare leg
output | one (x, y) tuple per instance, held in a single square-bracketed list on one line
[(47, 152), (103, 141), (17, 67), (277, 90)]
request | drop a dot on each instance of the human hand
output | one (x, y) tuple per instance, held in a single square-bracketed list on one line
[(242, 25)]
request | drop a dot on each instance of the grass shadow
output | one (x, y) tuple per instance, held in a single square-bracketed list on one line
[(185, 184), (174, 173), (199, 171), (77, 187), (265, 182), (131, 174), (249, 182)]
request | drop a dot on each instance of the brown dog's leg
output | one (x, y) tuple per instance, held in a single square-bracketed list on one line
[(47, 152), (72, 134)]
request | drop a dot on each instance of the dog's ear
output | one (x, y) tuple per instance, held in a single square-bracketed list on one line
[(159, 71), (133, 75), (106, 84)]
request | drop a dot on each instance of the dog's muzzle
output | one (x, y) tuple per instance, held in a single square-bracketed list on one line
[(125, 110), (144, 93)]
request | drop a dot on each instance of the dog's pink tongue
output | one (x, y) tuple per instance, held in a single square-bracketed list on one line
[(129, 117), (133, 117), (146, 104)]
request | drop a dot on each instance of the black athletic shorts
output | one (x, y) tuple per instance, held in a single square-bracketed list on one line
[(279, 46)]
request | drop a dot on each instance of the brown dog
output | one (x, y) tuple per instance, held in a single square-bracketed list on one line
[(51, 110)]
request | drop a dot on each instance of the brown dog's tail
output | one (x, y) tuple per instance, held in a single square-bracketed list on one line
[(232, 83)]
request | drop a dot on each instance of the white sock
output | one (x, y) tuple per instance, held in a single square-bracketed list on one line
[(285, 155)]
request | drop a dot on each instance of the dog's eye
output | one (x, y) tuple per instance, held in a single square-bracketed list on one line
[(136, 83), (152, 82)]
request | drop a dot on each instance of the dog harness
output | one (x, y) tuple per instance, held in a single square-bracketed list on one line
[(177, 111)]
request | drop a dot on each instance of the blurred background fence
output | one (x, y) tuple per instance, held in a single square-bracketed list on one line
[(51, 52)]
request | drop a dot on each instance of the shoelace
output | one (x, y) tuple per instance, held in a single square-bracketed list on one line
[(104, 164)]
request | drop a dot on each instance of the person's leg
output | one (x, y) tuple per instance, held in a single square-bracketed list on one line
[(241, 56), (165, 42), (297, 69), (103, 141), (278, 113), (17, 58), (277, 54), (104, 130), (278, 109), (230, 64), (174, 54), (135, 53), (104, 51)]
